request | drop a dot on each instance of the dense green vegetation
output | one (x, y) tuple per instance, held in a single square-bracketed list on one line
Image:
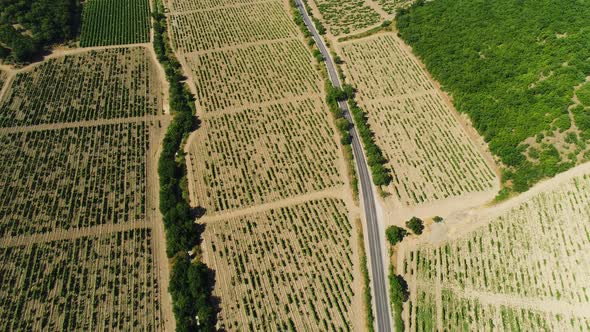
[(511, 65), (115, 22), (375, 159), (28, 26), (584, 94), (416, 225), (395, 234), (398, 291), (189, 283)]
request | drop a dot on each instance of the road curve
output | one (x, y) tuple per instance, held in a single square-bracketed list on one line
[(379, 287)]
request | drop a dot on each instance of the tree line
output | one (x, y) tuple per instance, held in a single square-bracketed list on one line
[(190, 284)]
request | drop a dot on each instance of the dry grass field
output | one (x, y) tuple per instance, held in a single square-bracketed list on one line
[(430, 153), (286, 268), (80, 236), (103, 84), (523, 267), (347, 16), (230, 26), (239, 162)]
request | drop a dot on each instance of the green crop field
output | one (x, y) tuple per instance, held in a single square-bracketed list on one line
[(105, 84), (115, 22), (513, 67)]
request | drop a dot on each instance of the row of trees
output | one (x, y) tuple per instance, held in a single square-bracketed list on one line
[(190, 285), (511, 65), (28, 27)]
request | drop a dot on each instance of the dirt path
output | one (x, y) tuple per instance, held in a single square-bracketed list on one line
[(335, 192), (79, 124), (70, 234)]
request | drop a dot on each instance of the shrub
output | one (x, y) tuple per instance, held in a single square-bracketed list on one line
[(395, 234), (416, 225), (437, 219)]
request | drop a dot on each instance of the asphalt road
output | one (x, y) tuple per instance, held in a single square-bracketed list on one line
[(379, 279)]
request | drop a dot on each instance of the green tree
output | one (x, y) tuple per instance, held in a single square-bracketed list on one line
[(416, 225), (395, 234)]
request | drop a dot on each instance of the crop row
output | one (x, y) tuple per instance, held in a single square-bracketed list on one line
[(431, 157), (390, 6), (71, 178), (380, 67), (179, 6), (346, 16), (253, 74), (114, 22), (429, 152), (287, 268), (112, 83), (102, 283), (538, 249), (215, 28), (535, 252), (240, 163)]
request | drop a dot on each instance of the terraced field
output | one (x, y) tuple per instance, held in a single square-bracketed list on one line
[(287, 268), (113, 22), (524, 268), (431, 156), (79, 242), (105, 84), (347, 16)]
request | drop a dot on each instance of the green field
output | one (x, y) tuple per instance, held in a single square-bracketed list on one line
[(512, 66), (114, 22)]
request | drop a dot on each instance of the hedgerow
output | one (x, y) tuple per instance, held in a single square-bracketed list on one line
[(189, 282)]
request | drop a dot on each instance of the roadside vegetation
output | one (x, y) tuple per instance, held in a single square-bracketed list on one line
[(190, 281), (512, 67), (367, 296)]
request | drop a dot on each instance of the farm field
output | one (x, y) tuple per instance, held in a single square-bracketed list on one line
[(344, 17), (266, 169), (206, 30), (430, 154), (525, 111), (104, 84), (250, 75), (292, 153), (523, 266), (390, 6), (286, 268), (178, 6), (102, 282), (79, 239), (113, 22)]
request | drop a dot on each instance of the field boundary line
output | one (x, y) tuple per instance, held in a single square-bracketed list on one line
[(239, 46), (333, 192), (522, 302), (254, 106), (228, 6), (387, 99), (81, 124), (72, 233)]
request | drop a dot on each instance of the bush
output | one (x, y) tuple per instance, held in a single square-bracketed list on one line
[(416, 225), (395, 234), (398, 290), (437, 219)]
